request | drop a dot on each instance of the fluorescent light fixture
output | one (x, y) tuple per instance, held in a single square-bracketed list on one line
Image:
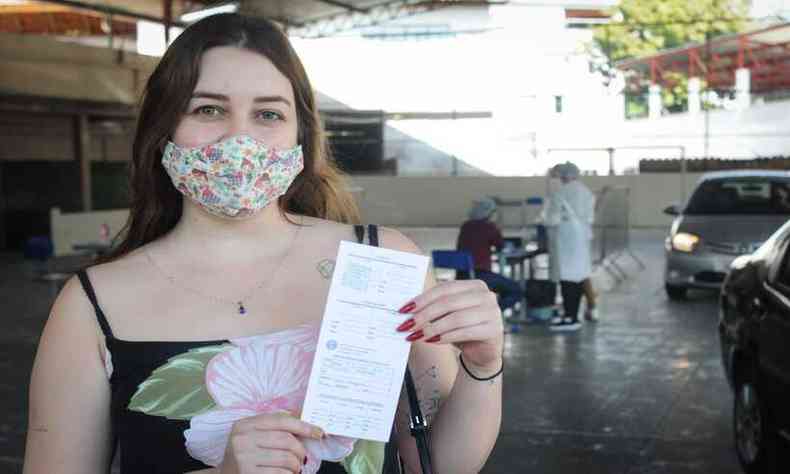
[(200, 14)]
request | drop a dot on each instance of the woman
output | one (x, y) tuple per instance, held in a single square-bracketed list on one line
[(477, 236), (191, 343)]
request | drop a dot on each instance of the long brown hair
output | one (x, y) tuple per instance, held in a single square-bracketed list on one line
[(156, 205)]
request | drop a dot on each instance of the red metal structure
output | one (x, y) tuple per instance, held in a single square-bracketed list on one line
[(765, 52)]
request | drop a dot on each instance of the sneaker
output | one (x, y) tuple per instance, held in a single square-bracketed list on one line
[(556, 317), (556, 320), (567, 324), (591, 315)]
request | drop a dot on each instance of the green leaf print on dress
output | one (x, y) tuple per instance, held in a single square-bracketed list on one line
[(177, 390), (367, 458)]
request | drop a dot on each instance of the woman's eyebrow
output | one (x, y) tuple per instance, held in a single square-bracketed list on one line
[(224, 98), (272, 98)]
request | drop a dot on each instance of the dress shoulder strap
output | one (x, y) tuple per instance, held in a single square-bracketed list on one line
[(372, 234), (359, 230), (88, 288)]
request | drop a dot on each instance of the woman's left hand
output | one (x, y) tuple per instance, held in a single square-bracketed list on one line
[(464, 313)]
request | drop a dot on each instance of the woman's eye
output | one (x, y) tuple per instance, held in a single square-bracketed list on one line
[(208, 111), (269, 115)]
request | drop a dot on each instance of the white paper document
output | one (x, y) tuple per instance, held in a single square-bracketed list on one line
[(361, 359)]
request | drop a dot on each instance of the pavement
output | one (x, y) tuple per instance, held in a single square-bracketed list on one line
[(640, 392)]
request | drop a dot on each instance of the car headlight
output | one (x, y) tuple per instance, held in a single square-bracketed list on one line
[(684, 242)]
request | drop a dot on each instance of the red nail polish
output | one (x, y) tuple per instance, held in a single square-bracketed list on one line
[(434, 338), (305, 461), (414, 336), (406, 325), (408, 307)]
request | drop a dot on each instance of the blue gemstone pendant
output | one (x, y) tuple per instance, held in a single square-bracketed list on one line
[(242, 309)]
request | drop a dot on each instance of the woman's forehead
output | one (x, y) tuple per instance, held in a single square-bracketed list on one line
[(235, 71)]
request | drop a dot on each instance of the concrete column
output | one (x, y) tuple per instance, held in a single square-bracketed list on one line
[(82, 143), (654, 101), (743, 81), (694, 99)]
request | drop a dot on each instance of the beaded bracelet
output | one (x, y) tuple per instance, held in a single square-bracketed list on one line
[(481, 379)]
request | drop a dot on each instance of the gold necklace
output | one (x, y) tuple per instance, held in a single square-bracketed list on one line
[(239, 303)]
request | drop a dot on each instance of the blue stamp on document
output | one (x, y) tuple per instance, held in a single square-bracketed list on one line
[(331, 344), (356, 277)]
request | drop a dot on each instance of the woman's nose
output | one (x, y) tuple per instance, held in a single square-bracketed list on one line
[(239, 125)]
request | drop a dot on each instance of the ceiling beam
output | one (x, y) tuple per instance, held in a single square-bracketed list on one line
[(109, 10)]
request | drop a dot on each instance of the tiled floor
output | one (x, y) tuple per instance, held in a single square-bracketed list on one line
[(642, 392)]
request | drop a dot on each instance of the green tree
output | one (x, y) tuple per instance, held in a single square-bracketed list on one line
[(644, 27)]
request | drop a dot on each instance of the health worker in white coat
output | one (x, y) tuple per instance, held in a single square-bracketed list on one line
[(569, 214)]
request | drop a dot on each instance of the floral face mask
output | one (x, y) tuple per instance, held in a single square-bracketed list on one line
[(236, 177)]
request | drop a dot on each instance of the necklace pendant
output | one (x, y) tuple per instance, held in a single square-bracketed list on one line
[(242, 309)]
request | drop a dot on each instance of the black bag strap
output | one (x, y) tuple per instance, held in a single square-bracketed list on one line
[(88, 288), (417, 423)]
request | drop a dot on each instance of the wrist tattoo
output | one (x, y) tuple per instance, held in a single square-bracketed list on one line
[(326, 267), (40, 429)]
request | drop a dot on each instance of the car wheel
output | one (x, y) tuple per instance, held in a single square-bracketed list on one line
[(675, 292), (755, 437)]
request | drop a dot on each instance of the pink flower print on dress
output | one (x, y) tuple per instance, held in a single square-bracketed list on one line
[(259, 377), (304, 336)]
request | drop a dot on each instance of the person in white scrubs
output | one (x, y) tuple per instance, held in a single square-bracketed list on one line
[(569, 214)]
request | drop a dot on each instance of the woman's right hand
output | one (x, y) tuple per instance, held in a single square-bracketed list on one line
[(268, 444)]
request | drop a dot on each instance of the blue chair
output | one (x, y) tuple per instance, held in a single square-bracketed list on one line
[(458, 260)]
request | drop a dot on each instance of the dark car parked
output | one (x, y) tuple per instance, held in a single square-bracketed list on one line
[(754, 331)]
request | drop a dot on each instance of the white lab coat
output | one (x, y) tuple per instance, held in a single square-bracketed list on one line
[(568, 215)]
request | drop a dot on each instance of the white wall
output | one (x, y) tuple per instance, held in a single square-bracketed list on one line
[(425, 202), (74, 228), (760, 130), (444, 201)]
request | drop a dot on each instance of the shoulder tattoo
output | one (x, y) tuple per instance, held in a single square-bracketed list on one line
[(326, 267)]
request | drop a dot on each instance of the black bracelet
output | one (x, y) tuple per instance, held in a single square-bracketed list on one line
[(481, 379)]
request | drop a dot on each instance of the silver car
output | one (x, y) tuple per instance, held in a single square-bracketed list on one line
[(730, 213)]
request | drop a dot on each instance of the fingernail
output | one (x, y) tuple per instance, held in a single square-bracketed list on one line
[(408, 324), (434, 338), (408, 307), (318, 433), (414, 336)]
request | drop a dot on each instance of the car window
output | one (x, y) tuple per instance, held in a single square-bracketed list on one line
[(741, 195)]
